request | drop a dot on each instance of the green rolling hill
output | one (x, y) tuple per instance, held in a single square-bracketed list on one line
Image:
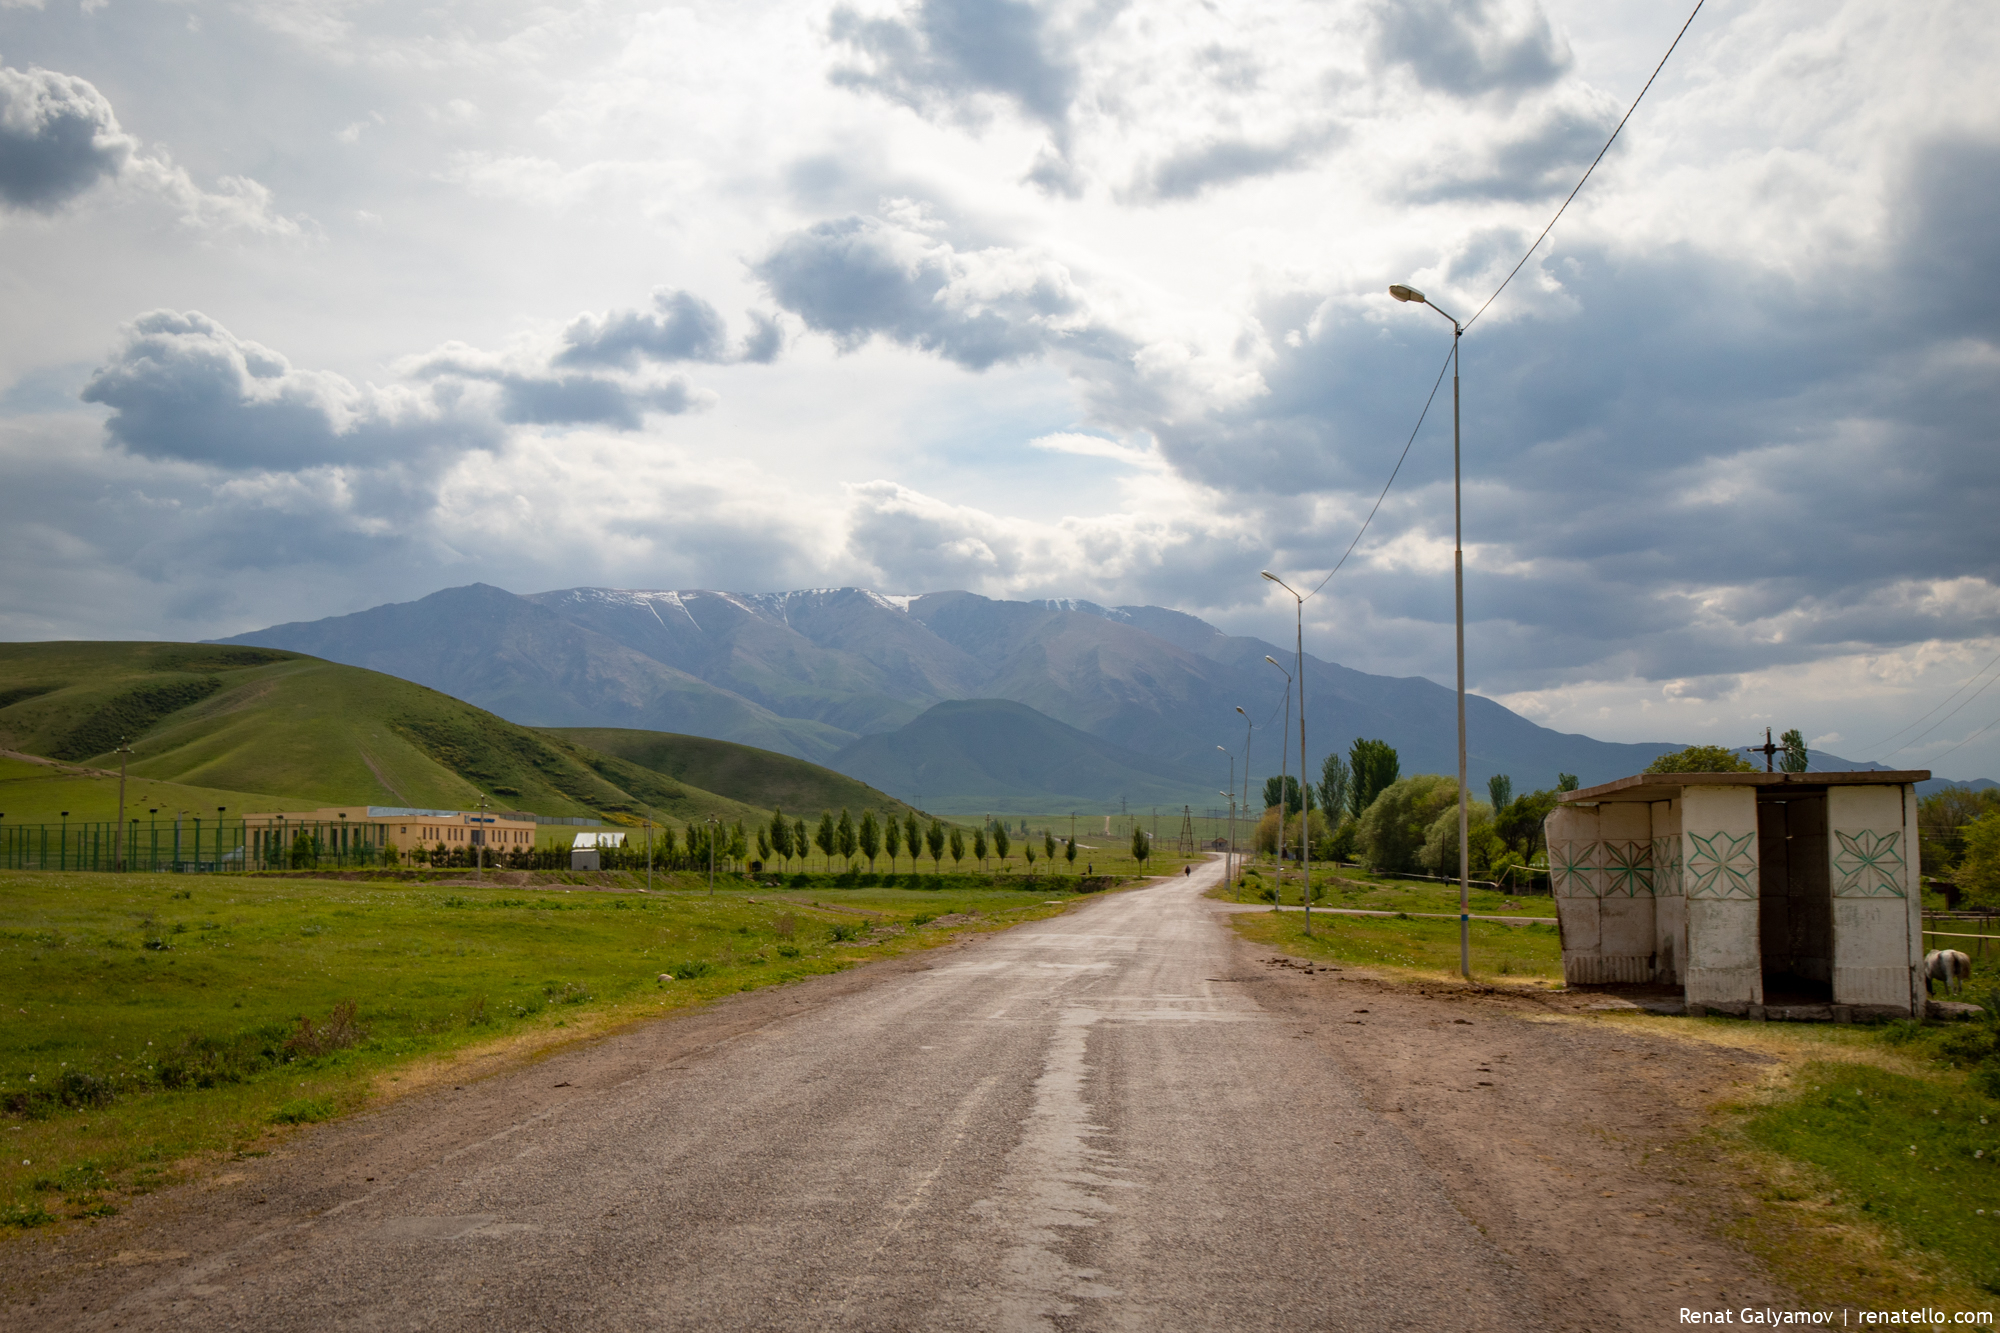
[(251, 728), (741, 772)]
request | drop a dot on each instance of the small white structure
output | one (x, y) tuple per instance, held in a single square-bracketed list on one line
[(583, 851), (1758, 894)]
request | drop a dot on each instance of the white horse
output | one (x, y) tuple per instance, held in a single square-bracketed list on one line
[(1946, 965)]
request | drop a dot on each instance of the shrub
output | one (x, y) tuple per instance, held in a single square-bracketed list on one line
[(340, 1032)]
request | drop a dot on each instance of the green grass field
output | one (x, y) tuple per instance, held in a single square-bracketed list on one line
[(152, 1021), (1527, 953), (1351, 886)]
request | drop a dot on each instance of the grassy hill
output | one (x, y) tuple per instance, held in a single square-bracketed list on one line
[(263, 728), (740, 772)]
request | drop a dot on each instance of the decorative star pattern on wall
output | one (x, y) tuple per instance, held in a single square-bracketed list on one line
[(1628, 869), (1868, 865), (1573, 869), (1722, 865), (1667, 867)]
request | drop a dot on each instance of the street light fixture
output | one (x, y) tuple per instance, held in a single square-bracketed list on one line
[(1406, 293), (1305, 805)]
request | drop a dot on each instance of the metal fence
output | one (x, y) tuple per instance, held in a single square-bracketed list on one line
[(191, 846)]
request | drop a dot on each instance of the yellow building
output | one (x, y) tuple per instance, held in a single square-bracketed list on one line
[(344, 829)]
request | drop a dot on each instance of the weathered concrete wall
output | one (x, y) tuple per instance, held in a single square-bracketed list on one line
[(1601, 869), (1868, 847), (1719, 873), (1625, 912), (1669, 898)]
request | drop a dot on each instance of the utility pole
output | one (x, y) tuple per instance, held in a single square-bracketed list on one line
[(1284, 795), (1406, 293), (479, 854), (119, 831), (1229, 857)]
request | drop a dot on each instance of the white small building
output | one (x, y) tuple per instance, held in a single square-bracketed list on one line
[(1757, 894), (583, 851)]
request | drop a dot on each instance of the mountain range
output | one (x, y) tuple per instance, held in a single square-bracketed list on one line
[(848, 678)]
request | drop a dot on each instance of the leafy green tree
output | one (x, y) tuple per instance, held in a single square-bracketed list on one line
[(1398, 820), (739, 844), (1796, 759), (869, 837), (781, 835), (934, 841), (1001, 842), (763, 845), (913, 836), (825, 837), (800, 841), (1048, 844), (957, 848), (1028, 851), (1142, 846), (1069, 853), (1942, 820), (1978, 871), (1371, 767), (1334, 779), (892, 839), (1700, 759), (1284, 788), (843, 838), (1500, 790), (979, 846), (1566, 782), (1520, 823), (1440, 852)]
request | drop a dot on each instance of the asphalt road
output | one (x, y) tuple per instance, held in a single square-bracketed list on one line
[(1081, 1123)]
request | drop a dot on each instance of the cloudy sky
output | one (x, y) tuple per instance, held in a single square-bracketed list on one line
[(313, 305)]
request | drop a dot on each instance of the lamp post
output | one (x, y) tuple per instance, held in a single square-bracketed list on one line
[(1405, 293), (1248, 728), (1229, 861), (119, 831), (1278, 891), (1305, 791)]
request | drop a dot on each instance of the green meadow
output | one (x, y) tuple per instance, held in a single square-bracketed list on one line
[(155, 1021), (1530, 952)]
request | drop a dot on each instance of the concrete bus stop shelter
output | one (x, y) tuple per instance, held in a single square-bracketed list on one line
[(1783, 895)]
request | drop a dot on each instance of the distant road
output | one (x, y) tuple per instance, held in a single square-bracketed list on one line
[(1081, 1123)]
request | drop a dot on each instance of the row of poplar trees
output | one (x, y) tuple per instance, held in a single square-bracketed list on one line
[(785, 839)]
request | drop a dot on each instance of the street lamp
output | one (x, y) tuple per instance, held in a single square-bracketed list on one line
[(1305, 804), (1278, 892), (1248, 728), (1229, 861), (1403, 293)]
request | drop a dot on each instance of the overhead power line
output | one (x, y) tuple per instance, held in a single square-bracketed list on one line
[(1926, 717), (1567, 201)]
